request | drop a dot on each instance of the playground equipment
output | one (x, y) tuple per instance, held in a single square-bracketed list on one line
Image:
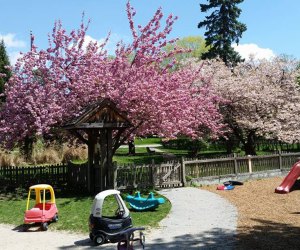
[(289, 180), (105, 229), (139, 203), (43, 211)]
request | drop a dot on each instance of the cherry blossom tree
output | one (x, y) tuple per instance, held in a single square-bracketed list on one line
[(50, 85), (263, 99)]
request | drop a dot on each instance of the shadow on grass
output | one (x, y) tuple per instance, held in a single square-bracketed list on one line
[(270, 235)]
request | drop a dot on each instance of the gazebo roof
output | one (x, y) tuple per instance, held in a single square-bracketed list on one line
[(100, 114)]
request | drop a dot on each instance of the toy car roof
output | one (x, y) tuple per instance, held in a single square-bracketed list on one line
[(41, 186), (103, 194), (99, 200)]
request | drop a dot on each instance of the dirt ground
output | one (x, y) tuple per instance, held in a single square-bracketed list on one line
[(266, 220)]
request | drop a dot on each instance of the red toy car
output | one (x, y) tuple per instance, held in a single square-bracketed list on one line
[(43, 211)]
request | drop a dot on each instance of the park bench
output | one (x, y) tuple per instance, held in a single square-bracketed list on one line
[(150, 150)]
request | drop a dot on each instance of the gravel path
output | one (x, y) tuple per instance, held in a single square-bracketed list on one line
[(198, 220)]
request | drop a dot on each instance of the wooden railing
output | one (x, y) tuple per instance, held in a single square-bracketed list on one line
[(239, 164)]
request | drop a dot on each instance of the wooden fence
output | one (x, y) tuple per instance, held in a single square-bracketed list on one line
[(236, 165), (177, 173), (65, 176), (24, 176), (169, 174)]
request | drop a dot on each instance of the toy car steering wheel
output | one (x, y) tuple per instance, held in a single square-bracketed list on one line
[(119, 212)]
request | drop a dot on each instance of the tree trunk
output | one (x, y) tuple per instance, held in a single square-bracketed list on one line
[(250, 144), (27, 148), (131, 148), (229, 143)]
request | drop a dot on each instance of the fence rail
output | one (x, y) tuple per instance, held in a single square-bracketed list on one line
[(168, 174)]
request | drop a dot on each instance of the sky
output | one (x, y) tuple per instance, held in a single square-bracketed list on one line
[(273, 26)]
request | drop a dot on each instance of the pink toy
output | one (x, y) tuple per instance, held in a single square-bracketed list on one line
[(43, 211), (289, 180)]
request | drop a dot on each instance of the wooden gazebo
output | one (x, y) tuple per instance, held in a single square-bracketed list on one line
[(99, 125)]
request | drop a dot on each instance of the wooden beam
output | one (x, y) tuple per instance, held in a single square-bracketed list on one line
[(79, 136), (99, 125)]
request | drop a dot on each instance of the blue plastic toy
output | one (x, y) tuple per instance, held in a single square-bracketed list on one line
[(139, 203)]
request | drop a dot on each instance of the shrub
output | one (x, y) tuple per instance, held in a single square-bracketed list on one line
[(48, 155), (13, 158), (74, 153)]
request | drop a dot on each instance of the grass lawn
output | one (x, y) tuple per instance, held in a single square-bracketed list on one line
[(145, 141), (74, 212)]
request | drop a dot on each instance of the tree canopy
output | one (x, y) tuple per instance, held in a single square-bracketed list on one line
[(222, 29), (194, 45), (263, 99), (4, 67), (51, 85)]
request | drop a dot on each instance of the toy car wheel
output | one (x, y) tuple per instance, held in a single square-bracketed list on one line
[(99, 239), (55, 218), (45, 226), (26, 227)]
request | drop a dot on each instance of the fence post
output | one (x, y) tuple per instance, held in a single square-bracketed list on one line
[(183, 172), (115, 173), (235, 164), (152, 173), (17, 176), (249, 164), (280, 159)]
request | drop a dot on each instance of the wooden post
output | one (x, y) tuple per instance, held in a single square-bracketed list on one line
[(17, 176), (109, 162), (103, 160), (280, 159), (91, 149), (235, 164), (152, 173), (115, 175), (183, 172), (249, 164)]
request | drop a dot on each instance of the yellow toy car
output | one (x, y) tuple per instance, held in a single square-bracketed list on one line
[(44, 210)]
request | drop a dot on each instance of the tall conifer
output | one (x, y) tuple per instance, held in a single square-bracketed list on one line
[(4, 62), (222, 29)]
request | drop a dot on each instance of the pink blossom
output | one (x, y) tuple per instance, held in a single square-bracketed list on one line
[(49, 86)]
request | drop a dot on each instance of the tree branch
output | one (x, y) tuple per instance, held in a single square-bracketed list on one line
[(79, 136), (118, 142)]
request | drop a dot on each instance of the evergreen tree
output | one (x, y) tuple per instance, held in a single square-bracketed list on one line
[(222, 29), (4, 61)]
